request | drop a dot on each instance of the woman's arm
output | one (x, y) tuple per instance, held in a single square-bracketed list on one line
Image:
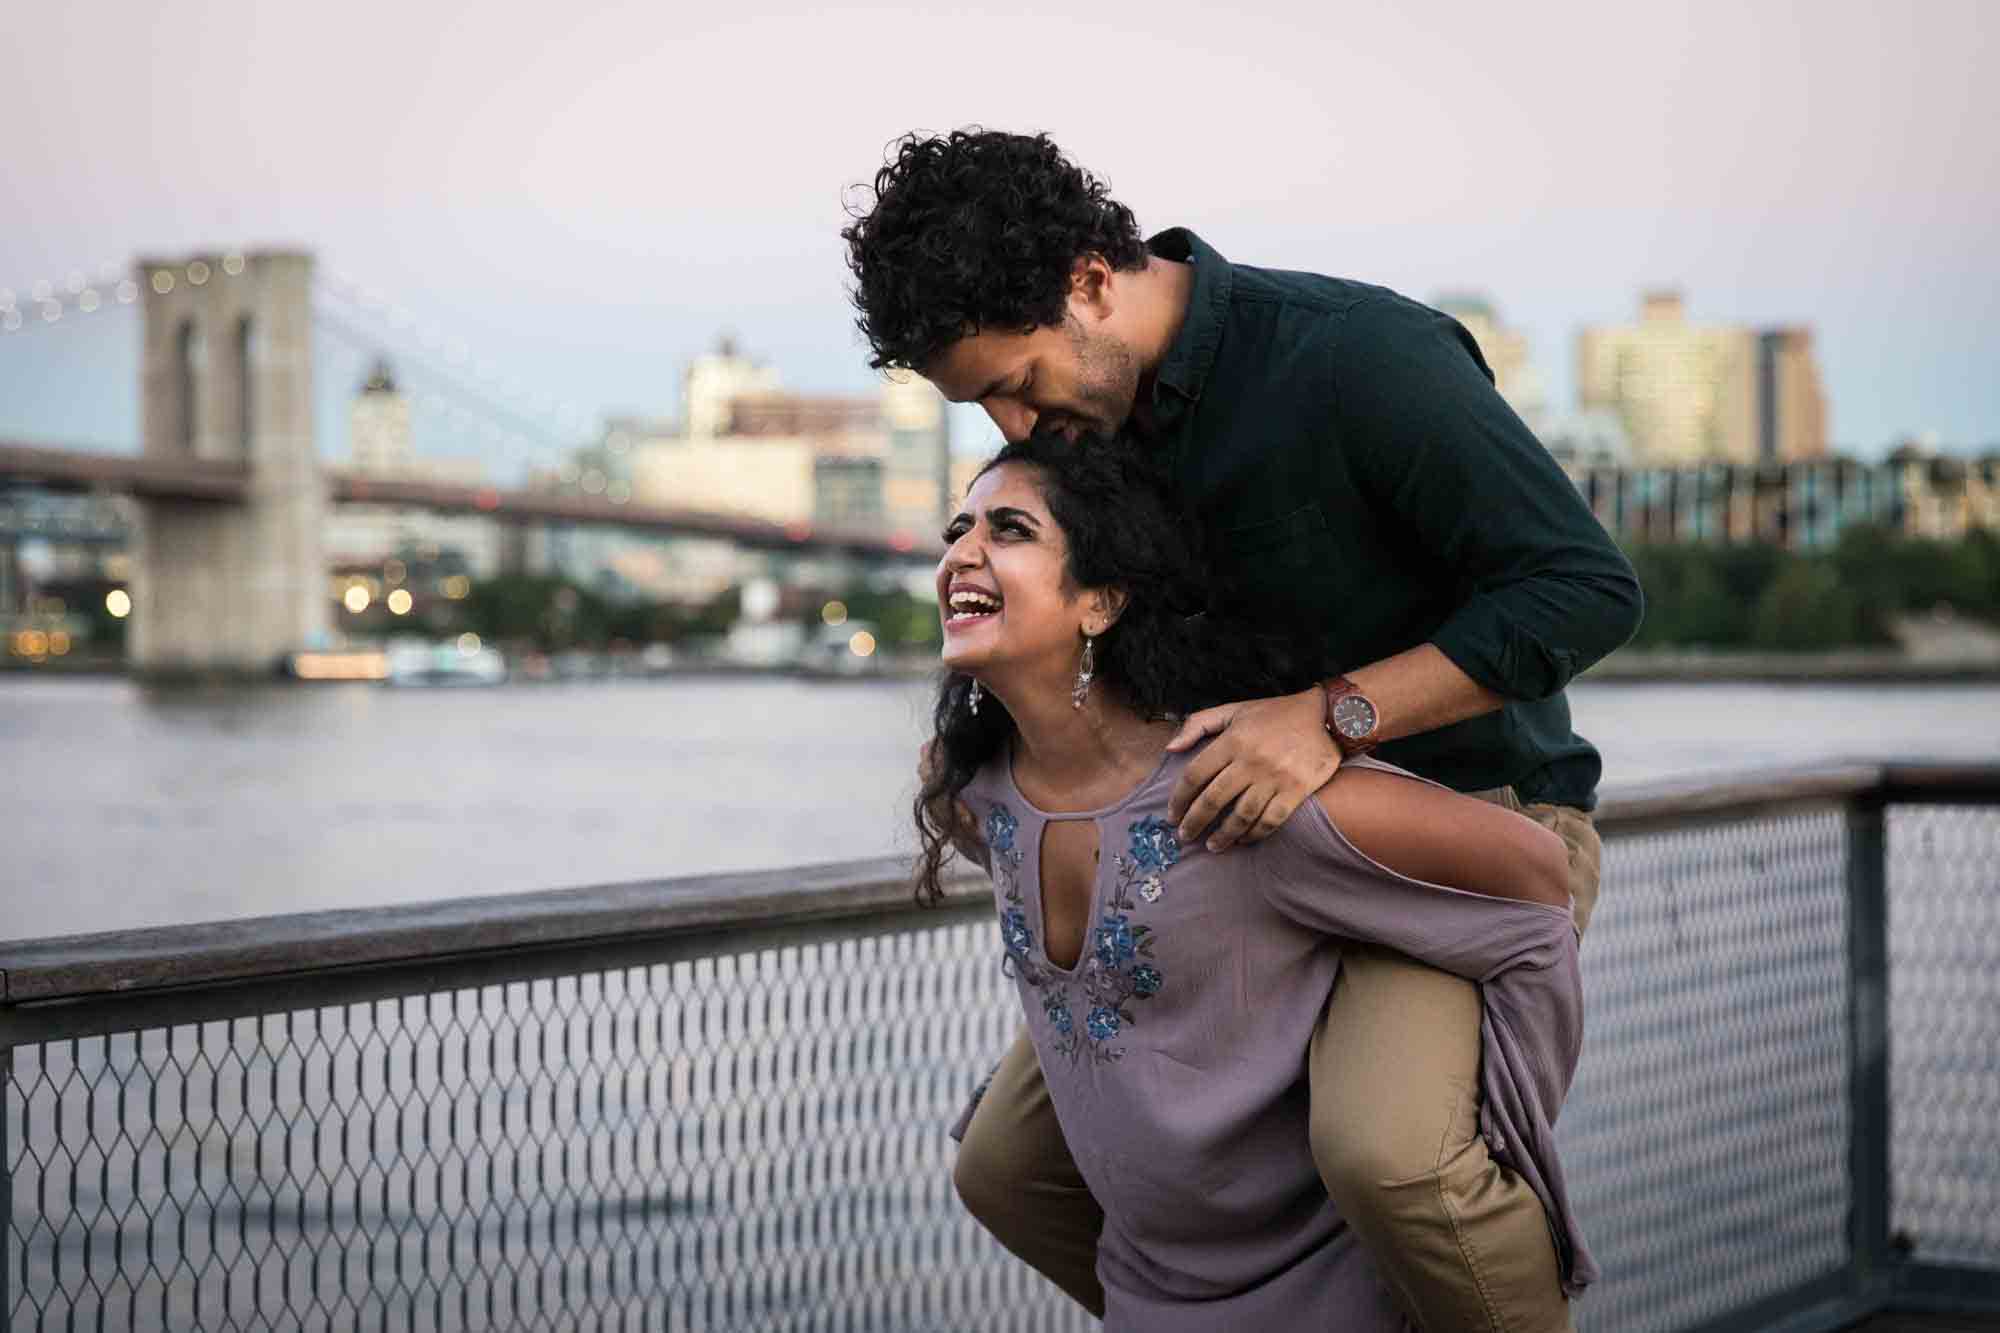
[(1384, 856), (1430, 833)]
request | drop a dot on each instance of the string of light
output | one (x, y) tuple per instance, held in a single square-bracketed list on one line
[(76, 293), (47, 301), (514, 416)]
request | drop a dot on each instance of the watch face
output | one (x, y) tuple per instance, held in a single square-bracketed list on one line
[(1353, 716)]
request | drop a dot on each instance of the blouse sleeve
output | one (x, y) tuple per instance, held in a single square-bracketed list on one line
[(1314, 875)]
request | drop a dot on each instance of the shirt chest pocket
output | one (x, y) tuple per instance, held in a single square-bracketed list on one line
[(1280, 568)]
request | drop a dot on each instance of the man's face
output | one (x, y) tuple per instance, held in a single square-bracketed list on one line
[(1063, 379)]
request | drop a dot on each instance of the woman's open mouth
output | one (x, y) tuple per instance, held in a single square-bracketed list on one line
[(966, 607)]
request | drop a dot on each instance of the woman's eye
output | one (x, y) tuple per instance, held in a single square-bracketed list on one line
[(953, 533)]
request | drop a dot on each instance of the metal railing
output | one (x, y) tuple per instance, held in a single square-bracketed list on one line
[(720, 1103)]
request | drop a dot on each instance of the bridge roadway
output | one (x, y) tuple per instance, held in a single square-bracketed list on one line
[(224, 482)]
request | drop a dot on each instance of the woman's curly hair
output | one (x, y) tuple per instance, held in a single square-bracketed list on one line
[(972, 230), (1174, 649)]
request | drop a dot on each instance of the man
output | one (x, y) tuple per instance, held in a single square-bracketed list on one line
[(1356, 472)]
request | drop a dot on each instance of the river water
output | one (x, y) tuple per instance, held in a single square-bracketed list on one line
[(124, 805)]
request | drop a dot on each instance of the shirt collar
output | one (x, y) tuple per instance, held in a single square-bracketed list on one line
[(1188, 360)]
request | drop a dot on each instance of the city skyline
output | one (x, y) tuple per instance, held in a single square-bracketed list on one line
[(1795, 166)]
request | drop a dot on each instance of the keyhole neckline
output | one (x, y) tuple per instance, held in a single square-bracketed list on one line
[(1166, 756)]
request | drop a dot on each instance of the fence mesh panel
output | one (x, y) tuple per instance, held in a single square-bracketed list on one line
[(1706, 1134), (755, 1141), (1944, 1032)]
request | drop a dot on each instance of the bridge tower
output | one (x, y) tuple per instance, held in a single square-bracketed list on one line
[(227, 375)]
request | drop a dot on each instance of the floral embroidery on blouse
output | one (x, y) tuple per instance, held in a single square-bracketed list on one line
[(1017, 938), (1155, 850), (1116, 967)]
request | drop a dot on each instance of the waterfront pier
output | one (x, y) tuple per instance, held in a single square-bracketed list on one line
[(720, 1102)]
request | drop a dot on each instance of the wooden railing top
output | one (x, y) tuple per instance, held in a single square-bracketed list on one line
[(122, 962)]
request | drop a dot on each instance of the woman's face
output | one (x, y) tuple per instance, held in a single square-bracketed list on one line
[(1003, 595)]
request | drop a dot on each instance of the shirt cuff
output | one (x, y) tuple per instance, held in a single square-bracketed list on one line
[(1486, 644)]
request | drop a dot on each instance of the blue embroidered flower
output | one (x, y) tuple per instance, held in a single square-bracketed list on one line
[(1055, 1007), (1115, 944), (1103, 1023), (1146, 980), (1000, 826), (1154, 845), (1015, 937)]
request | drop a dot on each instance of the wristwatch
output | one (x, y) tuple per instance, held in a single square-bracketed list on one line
[(1350, 717)]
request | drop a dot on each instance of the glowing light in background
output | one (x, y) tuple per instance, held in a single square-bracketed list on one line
[(355, 599), (862, 644), (834, 612), (119, 603), (457, 587), (468, 643), (163, 282), (399, 602)]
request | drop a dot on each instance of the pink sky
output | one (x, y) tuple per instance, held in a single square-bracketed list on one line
[(587, 203)]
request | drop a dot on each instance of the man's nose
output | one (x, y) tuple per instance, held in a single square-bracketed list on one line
[(1015, 420)]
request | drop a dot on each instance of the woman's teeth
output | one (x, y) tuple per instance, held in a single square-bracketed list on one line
[(965, 605)]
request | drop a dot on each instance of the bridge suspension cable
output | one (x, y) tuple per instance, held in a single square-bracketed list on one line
[(455, 381), (476, 398)]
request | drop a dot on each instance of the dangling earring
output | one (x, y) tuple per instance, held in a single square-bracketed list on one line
[(1084, 672), (973, 698)]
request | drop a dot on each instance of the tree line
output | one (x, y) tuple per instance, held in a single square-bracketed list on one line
[(1762, 597)]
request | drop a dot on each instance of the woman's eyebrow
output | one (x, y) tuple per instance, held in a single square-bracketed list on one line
[(1001, 513)]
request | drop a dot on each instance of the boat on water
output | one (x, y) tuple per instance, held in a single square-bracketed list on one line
[(465, 662)]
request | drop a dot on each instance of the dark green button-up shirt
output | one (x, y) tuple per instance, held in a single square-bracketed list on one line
[(1357, 472)]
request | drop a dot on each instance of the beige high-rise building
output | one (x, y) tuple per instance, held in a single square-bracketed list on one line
[(1507, 355), (1693, 393), (758, 476), (714, 381), (1687, 393), (379, 445), (1791, 407), (916, 476), (748, 446), (378, 426)]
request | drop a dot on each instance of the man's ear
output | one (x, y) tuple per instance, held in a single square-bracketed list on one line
[(1092, 287)]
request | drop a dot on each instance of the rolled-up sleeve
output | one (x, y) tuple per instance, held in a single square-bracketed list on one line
[(1548, 591)]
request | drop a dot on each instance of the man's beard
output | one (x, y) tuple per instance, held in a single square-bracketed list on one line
[(1107, 377)]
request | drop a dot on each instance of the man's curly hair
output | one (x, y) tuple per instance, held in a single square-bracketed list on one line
[(972, 230)]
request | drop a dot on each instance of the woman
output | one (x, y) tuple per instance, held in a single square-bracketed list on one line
[(1170, 994)]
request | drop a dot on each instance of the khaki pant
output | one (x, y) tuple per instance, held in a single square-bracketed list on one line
[(1394, 1072)]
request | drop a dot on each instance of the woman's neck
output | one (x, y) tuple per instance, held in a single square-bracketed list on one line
[(1080, 758)]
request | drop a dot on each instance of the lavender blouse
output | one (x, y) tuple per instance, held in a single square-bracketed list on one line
[(1174, 1051)]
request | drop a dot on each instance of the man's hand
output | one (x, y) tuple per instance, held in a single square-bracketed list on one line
[(1268, 756)]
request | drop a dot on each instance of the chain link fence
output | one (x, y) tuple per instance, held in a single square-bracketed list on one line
[(744, 1128)]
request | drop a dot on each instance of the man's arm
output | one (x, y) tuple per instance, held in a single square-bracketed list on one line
[(1549, 593)]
